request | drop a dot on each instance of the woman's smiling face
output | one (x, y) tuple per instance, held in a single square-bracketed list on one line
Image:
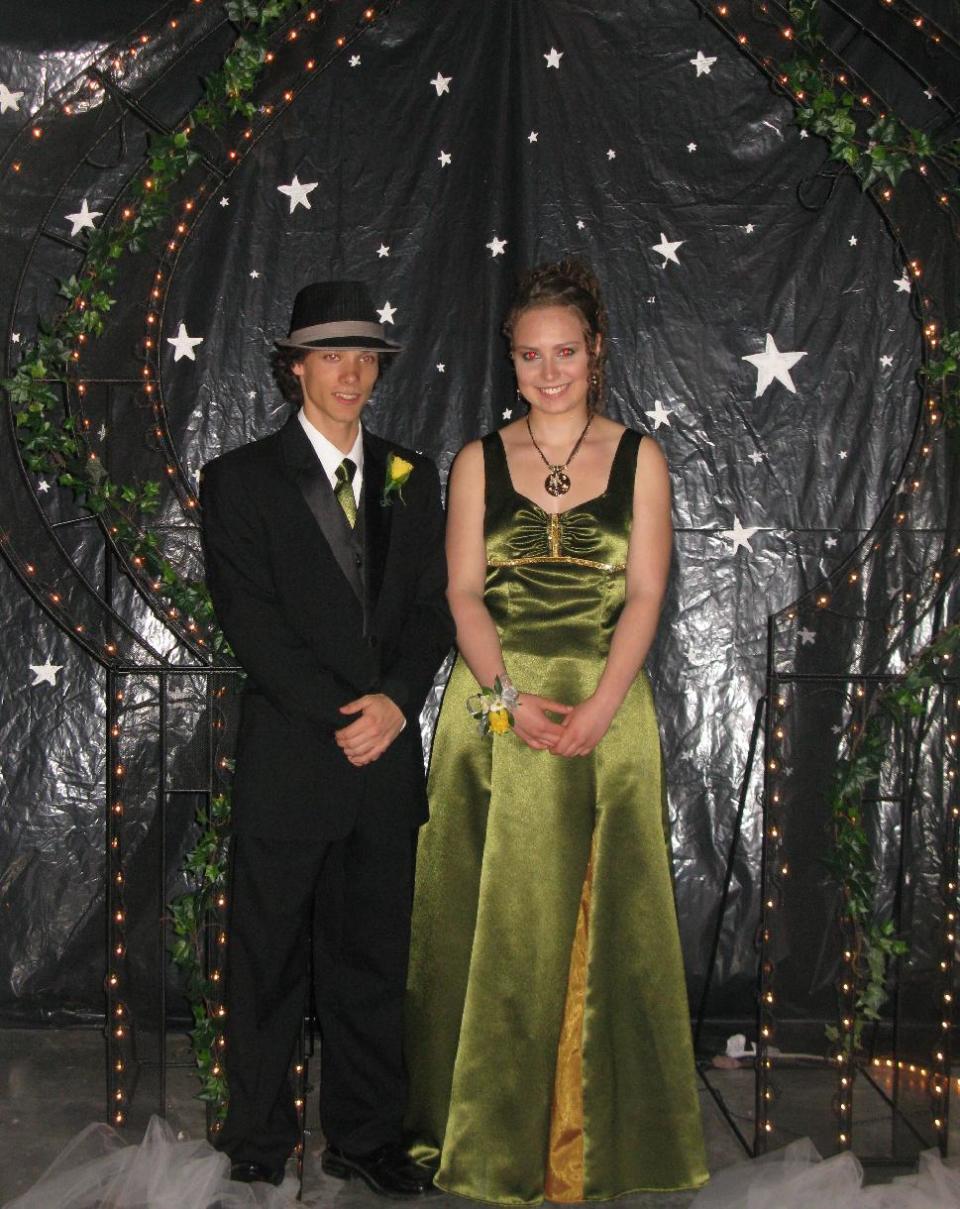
[(551, 358)]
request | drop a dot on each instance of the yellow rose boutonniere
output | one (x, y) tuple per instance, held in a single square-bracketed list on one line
[(398, 471), (492, 707)]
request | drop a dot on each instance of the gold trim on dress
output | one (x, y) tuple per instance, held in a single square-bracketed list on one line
[(553, 535), (556, 558)]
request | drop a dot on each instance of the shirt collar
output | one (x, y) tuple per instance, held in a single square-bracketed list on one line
[(330, 456)]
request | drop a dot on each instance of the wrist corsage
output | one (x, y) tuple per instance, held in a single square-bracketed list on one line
[(398, 471), (493, 707)]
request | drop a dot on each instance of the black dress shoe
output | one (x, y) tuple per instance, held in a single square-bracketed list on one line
[(245, 1172), (388, 1170)]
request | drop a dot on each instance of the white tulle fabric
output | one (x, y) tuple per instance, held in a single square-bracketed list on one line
[(797, 1178), (99, 1170)]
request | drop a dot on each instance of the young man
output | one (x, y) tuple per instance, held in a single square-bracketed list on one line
[(324, 549)]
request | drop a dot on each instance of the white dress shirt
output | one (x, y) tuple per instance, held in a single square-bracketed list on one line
[(331, 457)]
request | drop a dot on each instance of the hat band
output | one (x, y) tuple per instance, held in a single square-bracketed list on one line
[(346, 329)]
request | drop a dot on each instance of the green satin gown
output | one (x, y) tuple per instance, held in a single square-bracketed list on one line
[(502, 879)]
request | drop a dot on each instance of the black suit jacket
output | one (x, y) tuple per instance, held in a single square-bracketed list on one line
[(318, 619)]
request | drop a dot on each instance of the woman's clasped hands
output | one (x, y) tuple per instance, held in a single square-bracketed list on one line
[(580, 729)]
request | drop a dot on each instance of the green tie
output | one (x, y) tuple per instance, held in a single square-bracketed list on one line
[(344, 490)]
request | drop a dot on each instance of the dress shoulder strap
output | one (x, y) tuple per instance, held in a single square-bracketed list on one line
[(623, 472), (496, 472)]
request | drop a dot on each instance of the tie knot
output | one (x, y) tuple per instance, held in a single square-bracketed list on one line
[(345, 471)]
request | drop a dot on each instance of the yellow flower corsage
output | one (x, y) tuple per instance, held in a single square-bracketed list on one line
[(398, 471), (493, 707)]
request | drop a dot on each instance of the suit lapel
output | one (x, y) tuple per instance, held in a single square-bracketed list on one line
[(378, 520), (315, 488)]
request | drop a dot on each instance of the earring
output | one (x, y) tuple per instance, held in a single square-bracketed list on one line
[(594, 379)]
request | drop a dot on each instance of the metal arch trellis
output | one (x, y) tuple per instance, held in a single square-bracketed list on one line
[(182, 608), (869, 944)]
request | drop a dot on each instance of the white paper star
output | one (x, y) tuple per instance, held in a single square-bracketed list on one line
[(441, 368), (45, 673), (15, 337), (298, 193), (691, 147), (903, 283), (42, 485), (553, 57), (740, 535), (807, 637), (886, 361), (703, 63), (386, 313), (611, 154), (852, 241), (830, 542), (184, 344), (842, 455), (354, 60), (580, 224), (804, 134), (928, 94), (660, 415), (8, 99), (442, 84), (771, 364), (445, 159), (383, 251), (83, 218), (254, 274), (225, 201), (749, 228), (667, 249), (507, 413), (533, 136), (756, 457), (496, 246)]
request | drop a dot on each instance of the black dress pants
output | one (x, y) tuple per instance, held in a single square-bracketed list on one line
[(354, 897)]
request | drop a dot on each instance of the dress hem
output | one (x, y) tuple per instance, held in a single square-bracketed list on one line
[(587, 1200)]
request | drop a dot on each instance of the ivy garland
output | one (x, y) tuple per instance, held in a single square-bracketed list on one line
[(871, 942), (54, 446)]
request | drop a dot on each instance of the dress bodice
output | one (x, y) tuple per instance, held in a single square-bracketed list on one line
[(556, 582), (593, 535)]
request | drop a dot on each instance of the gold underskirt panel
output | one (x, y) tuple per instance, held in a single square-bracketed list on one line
[(564, 1179)]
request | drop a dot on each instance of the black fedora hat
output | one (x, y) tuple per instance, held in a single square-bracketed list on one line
[(336, 314)]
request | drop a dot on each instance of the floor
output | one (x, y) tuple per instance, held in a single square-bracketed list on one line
[(51, 1086)]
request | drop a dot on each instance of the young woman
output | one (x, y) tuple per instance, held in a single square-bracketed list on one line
[(547, 1022)]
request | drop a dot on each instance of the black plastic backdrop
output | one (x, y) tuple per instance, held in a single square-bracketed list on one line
[(440, 152)]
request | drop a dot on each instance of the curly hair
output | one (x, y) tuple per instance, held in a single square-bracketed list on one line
[(567, 282), (282, 361)]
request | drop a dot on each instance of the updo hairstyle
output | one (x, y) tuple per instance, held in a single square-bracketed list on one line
[(567, 282)]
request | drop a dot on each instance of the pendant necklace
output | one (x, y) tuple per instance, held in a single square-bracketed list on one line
[(557, 481)]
